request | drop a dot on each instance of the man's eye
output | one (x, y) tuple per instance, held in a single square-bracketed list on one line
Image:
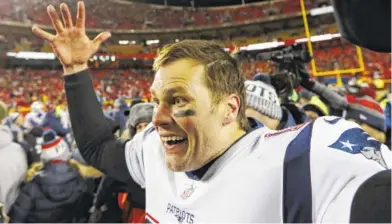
[(179, 101)]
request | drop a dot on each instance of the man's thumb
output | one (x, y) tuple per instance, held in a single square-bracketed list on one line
[(100, 38)]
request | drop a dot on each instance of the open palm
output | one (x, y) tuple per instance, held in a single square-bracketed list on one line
[(70, 44)]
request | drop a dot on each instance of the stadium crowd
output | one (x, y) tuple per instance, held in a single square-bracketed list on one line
[(34, 99), (103, 13), (44, 177)]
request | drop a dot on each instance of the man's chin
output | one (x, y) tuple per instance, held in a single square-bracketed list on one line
[(177, 163), (176, 167)]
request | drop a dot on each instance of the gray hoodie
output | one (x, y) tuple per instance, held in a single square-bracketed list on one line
[(13, 166)]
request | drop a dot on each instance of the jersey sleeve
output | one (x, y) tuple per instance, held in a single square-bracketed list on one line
[(134, 156), (342, 157)]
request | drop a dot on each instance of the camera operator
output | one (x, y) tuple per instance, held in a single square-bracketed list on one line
[(290, 73)]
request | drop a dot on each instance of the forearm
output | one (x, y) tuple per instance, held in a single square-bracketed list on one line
[(93, 133), (327, 95), (88, 122)]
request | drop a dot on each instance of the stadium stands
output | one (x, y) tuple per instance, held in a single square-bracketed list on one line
[(20, 87), (30, 84), (105, 14)]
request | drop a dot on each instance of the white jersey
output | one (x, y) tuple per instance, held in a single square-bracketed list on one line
[(307, 173), (33, 119)]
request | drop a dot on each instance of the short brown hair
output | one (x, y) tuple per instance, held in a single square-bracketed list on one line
[(223, 76)]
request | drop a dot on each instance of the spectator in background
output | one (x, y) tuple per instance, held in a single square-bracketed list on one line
[(262, 104), (57, 193), (51, 121), (118, 114), (388, 117), (14, 121), (140, 116), (36, 116), (13, 164), (315, 109), (368, 114)]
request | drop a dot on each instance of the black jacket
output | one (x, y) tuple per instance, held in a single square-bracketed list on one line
[(58, 194)]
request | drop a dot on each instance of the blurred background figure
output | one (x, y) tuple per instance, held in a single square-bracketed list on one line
[(286, 85), (369, 115), (36, 116), (313, 106), (57, 192), (140, 116), (13, 164)]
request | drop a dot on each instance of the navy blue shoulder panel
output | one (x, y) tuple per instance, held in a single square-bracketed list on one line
[(297, 186)]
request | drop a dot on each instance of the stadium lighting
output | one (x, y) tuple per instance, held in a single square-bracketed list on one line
[(11, 54), (107, 57), (262, 46), (150, 42), (133, 42), (177, 40), (123, 42), (321, 11), (113, 58), (95, 58), (319, 38), (32, 55), (226, 49)]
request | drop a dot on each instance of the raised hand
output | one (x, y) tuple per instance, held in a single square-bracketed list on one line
[(70, 44)]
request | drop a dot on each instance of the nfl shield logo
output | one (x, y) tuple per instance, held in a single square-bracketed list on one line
[(188, 192)]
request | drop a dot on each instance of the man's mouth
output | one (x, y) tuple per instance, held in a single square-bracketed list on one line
[(173, 142)]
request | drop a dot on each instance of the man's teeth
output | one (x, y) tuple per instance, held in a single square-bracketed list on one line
[(173, 138)]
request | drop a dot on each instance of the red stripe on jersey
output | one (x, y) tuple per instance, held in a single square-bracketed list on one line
[(150, 218)]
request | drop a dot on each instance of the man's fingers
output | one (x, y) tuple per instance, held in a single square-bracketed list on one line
[(55, 19), (43, 34), (100, 38), (81, 16), (66, 14)]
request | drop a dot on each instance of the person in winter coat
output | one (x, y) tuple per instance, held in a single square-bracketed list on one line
[(13, 166), (118, 115), (262, 105), (57, 193)]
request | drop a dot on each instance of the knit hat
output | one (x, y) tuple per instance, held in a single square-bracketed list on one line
[(141, 112), (54, 147), (3, 110), (262, 78), (263, 98), (366, 110)]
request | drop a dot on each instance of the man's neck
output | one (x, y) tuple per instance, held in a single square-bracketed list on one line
[(199, 173)]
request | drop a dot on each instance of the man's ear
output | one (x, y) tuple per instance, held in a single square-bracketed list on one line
[(232, 107)]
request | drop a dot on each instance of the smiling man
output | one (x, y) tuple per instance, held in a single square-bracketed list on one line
[(195, 124), (198, 160)]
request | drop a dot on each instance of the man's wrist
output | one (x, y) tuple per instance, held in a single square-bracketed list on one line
[(69, 70)]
